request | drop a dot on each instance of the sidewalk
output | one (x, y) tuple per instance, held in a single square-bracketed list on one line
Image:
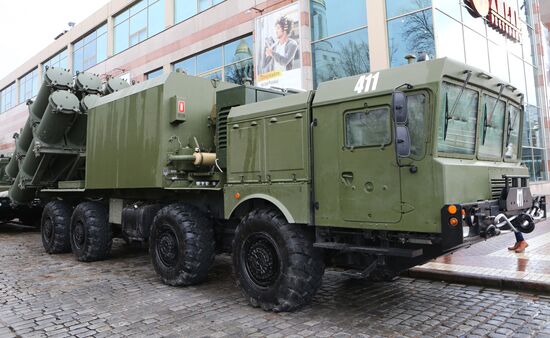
[(490, 263)]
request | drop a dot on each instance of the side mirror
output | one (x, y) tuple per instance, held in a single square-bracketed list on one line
[(399, 107), (402, 141)]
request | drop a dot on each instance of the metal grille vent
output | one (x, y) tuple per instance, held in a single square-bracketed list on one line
[(222, 129), (497, 184)]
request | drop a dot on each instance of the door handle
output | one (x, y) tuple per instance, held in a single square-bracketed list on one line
[(235, 126), (347, 178)]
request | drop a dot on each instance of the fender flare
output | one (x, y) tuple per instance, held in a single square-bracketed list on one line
[(286, 213)]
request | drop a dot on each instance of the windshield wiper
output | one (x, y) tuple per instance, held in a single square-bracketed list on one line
[(450, 115), (485, 124), (510, 126), (447, 116)]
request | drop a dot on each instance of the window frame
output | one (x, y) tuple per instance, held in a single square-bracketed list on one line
[(213, 3), (437, 120), (94, 41), (224, 66), (519, 157), (47, 62), (13, 97), (366, 110), (23, 81), (480, 127), (161, 69), (429, 105), (126, 16)]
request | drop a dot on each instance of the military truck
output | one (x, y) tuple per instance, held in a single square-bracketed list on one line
[(24, 214), (5, 209), (371, 174)]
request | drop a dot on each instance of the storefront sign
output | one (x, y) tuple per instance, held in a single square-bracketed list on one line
[(277, 49), (499, 14)]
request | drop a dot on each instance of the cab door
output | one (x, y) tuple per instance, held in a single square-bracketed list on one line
[(356, 178)]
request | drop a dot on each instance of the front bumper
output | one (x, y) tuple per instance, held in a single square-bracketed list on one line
[(516, 210)]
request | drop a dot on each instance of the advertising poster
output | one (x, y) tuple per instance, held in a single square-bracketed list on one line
[(278, 55)]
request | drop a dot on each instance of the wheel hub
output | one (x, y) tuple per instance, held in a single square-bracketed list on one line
[(78, 235), (167, 247), (262, 260)]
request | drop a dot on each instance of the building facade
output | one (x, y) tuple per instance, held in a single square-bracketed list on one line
[(234, 40)]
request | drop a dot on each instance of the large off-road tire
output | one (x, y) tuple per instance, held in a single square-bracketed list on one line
[(55, 227), (91, 237), (182, 245), (275, 264)]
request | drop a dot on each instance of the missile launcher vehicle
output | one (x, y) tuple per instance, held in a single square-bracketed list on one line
[(28, 214), (372, 174)]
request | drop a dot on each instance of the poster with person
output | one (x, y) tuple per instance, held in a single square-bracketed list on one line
[(277, 49)]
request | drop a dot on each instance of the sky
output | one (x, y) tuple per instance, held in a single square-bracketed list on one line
[(28, 26)]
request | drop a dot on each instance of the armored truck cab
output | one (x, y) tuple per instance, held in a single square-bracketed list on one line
[(373, 174), (392, 168)]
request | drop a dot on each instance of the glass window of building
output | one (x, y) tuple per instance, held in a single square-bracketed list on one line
[(340, 46), (90, 50), (184, 9), (231, 62), (153, 74), (58, 60), (139, 22), (447, 26), (477, 54), (7, 98), (410, 30), (28, 86)]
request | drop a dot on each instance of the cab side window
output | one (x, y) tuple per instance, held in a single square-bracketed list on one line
[(417, 109), (367, 128)]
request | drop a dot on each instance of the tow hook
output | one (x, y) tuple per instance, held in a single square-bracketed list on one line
[(519, 223)]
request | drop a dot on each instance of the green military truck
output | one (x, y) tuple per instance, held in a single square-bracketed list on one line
[(28, 214), (372, 174), (6, 213)]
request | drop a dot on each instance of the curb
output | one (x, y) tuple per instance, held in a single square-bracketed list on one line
[(475, 279)]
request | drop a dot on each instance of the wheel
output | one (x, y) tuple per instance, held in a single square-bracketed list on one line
[(55, 225), (275, 264), (182, 245), (91, 237)]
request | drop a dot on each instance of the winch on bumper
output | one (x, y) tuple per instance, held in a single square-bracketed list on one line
[(516, 209)]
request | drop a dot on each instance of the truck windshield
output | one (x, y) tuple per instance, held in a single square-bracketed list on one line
[(512, 133), (457, 130), (492, 127)]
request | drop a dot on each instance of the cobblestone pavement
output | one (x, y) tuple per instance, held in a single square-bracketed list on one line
[(43, 295)]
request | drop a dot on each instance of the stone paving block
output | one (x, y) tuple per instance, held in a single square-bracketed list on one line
[(122, 296)]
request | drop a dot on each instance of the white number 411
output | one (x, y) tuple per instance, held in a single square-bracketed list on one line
[(367, 83)]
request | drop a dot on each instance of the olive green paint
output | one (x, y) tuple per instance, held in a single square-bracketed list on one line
[(130, 134), (289, 151), (364, 187), (4, 179)]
